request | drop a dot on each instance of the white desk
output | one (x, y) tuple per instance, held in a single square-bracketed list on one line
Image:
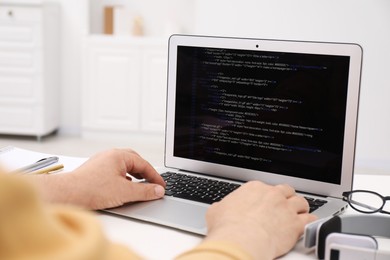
[(157, 242)]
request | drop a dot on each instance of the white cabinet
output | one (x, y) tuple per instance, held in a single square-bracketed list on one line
[(154, 88), (29, 73), (124, 85)]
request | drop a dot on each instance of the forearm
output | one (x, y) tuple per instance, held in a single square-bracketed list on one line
[(58, 188)]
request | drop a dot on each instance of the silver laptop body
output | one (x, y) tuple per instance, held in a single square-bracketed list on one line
[(253, 109)]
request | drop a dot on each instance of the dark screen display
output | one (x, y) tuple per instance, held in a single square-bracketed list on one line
[(276, 112)]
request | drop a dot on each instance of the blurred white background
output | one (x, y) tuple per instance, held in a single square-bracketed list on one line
[(359, 21)]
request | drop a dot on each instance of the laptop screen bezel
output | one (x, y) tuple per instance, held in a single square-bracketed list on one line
[(354, 51)]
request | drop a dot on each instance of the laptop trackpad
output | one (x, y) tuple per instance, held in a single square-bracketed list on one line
[(183, 215)]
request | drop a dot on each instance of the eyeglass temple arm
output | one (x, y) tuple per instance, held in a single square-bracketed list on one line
[(362, 204)]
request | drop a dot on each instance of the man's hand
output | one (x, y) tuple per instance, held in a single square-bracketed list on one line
[(103, 181), (264, 220)]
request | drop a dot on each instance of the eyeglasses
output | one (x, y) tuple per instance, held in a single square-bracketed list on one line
[(366, 201)]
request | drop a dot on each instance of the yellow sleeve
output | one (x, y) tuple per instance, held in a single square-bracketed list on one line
[(216, 250), (32, 230)]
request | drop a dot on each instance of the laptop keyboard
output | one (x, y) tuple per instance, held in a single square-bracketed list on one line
[(196, 188), (206, 190)]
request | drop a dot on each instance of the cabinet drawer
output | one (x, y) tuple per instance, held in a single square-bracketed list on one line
[(16, 14), (17, 88), (17, 33), (22, 62), (16, 116), (20, 25), (14, 59)]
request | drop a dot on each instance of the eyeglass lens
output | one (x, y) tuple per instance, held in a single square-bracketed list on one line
[(365, 201)]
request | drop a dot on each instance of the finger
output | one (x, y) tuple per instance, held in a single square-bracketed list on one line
[(306, 218), (287, 190), (139, 167), (299, 204), (144, 192)]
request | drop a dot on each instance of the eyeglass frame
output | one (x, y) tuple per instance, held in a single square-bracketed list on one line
[(347, 194)]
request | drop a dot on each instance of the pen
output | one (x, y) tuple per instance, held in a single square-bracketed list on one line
[(48, 169), (39, 164)]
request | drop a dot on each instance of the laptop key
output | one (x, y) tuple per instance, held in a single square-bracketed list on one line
[(169, 193), (194, 198), (196, 188), (314, 204)]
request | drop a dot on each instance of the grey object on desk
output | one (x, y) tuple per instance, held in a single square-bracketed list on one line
[(39, 164)]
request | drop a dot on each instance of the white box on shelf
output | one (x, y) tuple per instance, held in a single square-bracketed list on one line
[(123, 21)]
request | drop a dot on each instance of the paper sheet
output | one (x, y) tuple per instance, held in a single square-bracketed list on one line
[(13, 158)]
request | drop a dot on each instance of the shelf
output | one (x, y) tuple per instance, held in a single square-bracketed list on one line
[(160, 18)]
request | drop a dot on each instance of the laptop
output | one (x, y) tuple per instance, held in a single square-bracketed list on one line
[(254, 109)]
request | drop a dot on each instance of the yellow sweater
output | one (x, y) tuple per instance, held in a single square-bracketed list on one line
[(32, 230)]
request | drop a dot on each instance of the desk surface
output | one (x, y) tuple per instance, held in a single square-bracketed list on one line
[(157, 242)]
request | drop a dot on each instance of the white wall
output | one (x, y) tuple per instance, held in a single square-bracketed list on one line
[(366, 22), (74, 26)]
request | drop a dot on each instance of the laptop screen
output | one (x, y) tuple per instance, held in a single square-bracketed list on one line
[(276, 112)]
